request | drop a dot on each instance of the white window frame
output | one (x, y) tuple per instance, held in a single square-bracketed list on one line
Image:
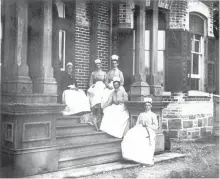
[(201, 53), (62, 49)]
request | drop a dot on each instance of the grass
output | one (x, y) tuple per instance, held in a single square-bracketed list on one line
[(203, 159)]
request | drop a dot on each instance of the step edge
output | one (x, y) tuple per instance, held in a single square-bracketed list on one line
[(89, 164), (89, 156), (73, 145), (83, 134), (68, 117), (74, 126)]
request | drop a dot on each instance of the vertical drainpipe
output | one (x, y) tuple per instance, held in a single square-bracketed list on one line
[(110, 34)]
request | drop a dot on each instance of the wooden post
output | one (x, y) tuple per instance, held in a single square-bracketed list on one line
[(156, 88)]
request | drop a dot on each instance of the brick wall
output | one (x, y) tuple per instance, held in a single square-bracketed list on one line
[(83, 37), (188, 117), (103, 34), (82, 49), (179, 14)]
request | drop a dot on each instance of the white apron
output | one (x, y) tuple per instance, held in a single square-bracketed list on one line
[(76, 102), (115, 120), (107, 93), (95, 93), (139, 145)]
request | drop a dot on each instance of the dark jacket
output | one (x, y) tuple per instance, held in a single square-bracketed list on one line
[(67, 80)]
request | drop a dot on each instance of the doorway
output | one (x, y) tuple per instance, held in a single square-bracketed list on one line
[(63, 39)]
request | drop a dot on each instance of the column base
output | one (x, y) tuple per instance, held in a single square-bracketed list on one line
[(18, 85), (139, 89), (156, 90), (29, 138), (45, 86)]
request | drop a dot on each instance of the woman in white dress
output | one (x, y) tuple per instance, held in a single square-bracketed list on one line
[(115, 119), (114, 72), (75, 99), (139, 143), (97, 85)]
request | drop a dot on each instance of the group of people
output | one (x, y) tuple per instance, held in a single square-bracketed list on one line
[(105, 103)]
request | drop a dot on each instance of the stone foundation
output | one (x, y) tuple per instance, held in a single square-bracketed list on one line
[(188, 117)]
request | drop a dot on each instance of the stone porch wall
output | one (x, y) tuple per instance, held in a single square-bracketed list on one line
[(188, 117)]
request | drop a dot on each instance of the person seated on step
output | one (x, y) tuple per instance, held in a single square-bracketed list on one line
[(116, 117), (114, 72), (75, 98), (139, 142)]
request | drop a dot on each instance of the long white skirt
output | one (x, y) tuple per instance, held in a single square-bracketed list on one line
[(115, 120), (95, 93), (139, 145), (107, 92), (76, 102)]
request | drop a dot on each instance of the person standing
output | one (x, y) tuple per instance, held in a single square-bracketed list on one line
[(114, 72), (75, 99), (139, 142), (116, 116), (97, 85)]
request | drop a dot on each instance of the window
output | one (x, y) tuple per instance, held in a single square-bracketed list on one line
[(196, 64), (62, 49), (60, 8), (8, 132), (161, 51), (161, 43)]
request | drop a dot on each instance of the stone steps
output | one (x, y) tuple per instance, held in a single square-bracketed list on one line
[(74, 129), (81, 145), (86, 137), (68, 120), (90, 159)]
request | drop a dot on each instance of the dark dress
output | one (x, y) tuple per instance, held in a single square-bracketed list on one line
[(66, 81)]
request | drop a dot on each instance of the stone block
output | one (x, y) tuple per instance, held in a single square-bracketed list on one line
[(192, 116), (187, 124), (183, 134), (164, 125), (195, 123), (200, 122), (31, 162), (202, 131), (205, 121), (171, 134), (174, 124), (210, 121), (160, 140), (195, 134)]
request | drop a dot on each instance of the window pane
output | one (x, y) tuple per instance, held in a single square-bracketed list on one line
[(147, 62), (133, 39), (195, 64), (161, 40), (197, 37), (160, 63), (147, 40), (197, 46), (62, 41), (133, 62), (194, 84), (60, 8)]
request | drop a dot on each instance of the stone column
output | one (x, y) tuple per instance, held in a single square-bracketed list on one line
[(139, 88), (156, 88), (46, 83), (16, 78)]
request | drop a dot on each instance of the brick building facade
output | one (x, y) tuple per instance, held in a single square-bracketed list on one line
[(163, 46)]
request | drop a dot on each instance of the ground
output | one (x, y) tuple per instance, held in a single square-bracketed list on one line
[(202, 162)]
